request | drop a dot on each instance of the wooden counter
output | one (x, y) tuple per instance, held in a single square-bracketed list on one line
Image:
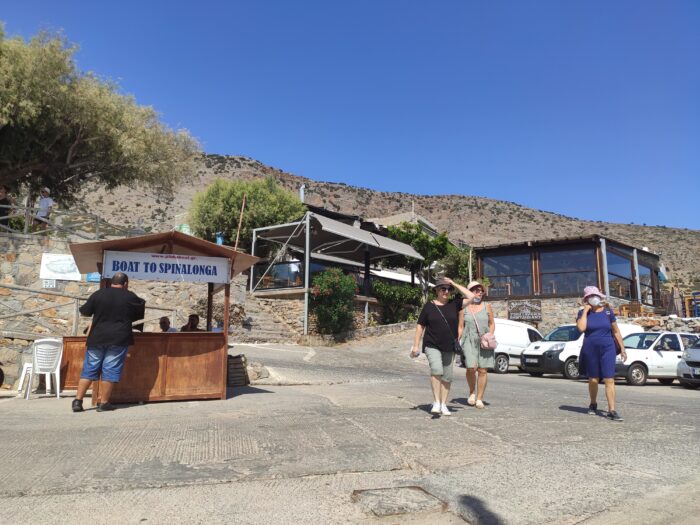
[(159, 367)]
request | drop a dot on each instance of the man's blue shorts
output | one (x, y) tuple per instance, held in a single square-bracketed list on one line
[(107, 358), (597, 357)]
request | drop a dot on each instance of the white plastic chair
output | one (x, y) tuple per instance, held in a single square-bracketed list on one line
[(46, 360)]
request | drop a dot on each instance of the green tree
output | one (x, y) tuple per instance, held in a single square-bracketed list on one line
[(431, 248), (456, 263), (332, 297), (217, 209), (396, 300), (60, 127)]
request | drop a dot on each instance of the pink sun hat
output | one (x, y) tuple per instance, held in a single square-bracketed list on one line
[(592, 290)]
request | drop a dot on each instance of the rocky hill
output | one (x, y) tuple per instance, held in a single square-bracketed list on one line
[(478, 221)]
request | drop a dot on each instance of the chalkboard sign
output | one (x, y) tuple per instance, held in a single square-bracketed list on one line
[(525, 310)]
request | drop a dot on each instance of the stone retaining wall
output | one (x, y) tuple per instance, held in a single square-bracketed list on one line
[(556, 312)]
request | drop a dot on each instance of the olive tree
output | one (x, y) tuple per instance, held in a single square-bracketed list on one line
[(60, 127), (217, 209)]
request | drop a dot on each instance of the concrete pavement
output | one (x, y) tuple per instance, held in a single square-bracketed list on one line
[(343, 435)]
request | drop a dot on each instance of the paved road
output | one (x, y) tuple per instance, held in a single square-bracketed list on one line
[(343, 435)]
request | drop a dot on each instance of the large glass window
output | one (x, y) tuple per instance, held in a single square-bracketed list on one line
[(509, 274), (567, 271), (645, 286), (619, 275)]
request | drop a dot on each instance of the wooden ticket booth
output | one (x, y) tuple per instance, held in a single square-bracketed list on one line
[(163, 366)]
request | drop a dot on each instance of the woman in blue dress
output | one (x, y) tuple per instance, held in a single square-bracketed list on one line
[(597, 360)]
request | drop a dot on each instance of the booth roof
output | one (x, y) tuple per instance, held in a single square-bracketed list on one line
[(88, 254)]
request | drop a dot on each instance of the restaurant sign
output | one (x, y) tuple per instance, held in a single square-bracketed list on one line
[(525, 310), (167, 267)]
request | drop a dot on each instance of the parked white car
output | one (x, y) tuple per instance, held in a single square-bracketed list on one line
[(558, 352), (688, 370), (513, 337), (653, 355)]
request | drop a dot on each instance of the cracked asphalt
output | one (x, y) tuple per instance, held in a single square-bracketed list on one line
[(343, 435)]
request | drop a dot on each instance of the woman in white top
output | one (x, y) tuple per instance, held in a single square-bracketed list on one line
[(45, 206)]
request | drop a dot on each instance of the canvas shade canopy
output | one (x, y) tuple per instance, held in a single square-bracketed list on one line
[(335, 238), (316, 235)]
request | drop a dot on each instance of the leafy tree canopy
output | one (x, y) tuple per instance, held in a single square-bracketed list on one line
[(217, 209), (431, 248), (60, 127), (456, 263)]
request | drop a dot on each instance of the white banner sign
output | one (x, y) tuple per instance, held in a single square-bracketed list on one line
[(167, 267), (59, 266)]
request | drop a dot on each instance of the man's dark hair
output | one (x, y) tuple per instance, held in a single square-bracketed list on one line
[(120, 279), (6, 188)]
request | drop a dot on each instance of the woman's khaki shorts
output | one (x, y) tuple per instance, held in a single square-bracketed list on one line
[(440, 363)]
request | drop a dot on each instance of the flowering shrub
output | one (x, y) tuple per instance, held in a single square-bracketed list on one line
[(332, 293)]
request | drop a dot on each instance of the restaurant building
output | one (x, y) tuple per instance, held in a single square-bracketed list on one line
[(550, 276)]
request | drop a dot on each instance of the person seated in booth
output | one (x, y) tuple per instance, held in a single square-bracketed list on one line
[(192, 324), (165, 325)]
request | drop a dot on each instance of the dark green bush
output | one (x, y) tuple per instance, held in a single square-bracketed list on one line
[(332, 296), (397, 300)]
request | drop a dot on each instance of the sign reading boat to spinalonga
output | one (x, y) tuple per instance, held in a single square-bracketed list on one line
[(167, 267)]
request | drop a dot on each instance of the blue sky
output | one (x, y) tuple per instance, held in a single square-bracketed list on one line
[(590, 109)]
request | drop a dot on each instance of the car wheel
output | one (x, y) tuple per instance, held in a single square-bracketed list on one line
[(690, 386), (666, 381), (501, 364), (536, 374), (571, 369), (637, 375)]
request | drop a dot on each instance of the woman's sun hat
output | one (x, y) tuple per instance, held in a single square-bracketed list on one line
[(474, 284), (592, 290)]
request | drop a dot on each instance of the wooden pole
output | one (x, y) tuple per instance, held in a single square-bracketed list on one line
[(224, 365), (240, 222), (210, 304)]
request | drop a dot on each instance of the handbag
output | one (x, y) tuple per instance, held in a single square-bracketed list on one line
[(618, 350), (486, 341), (457, 347)]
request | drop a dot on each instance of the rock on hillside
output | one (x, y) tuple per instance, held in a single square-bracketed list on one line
[(478, 221)]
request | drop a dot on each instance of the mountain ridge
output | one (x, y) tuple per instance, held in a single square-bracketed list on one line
[(478, 221)]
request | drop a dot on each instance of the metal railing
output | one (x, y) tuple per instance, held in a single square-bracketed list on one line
[(24, 220), (73, 318)]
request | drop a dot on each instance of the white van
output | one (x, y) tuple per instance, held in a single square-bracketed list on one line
[(513, 337), (558, 352)]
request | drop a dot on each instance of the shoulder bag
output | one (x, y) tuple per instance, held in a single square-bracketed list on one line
[(486, 341), (456, 346)]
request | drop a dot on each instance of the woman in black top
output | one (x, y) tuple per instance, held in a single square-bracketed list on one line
[(439, 324)]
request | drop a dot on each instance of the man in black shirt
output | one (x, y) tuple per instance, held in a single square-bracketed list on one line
[(113, 311)]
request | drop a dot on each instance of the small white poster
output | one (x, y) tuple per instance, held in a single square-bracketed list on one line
[(59, 266)]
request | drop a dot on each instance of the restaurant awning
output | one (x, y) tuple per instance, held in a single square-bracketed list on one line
[(335, 238)]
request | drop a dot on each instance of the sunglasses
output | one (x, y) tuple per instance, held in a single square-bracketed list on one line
[(445, 288)]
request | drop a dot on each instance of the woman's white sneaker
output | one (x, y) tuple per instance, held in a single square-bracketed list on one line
[(472, 400), (479, 403), (444, 411), (436, 408)]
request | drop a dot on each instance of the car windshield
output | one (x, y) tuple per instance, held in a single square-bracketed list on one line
[(563, 333), (696, 344), (640, 341)]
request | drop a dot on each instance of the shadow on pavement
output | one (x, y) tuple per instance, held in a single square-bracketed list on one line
[(578, 410), (476, 511), (241, 390), (426, 409)]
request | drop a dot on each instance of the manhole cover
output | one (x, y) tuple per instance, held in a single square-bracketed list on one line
[(397, 500)]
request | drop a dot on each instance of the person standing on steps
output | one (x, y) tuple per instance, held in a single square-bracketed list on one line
[(438, 326), (597, 359), (478, 320), (113, 312)]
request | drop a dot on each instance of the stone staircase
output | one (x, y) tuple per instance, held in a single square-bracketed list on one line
[(261, 325)]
